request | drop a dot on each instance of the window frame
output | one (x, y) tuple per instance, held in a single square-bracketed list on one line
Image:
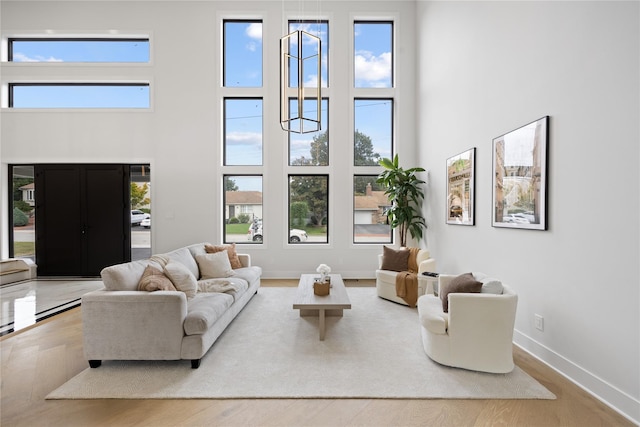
[(11, 40), (328, 210), (12, 85), (393, 51), (224, 51)]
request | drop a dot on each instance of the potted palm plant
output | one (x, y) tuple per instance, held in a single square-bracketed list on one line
[(405, 194)]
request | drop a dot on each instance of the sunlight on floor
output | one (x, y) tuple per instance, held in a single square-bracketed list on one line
[(22, 304)]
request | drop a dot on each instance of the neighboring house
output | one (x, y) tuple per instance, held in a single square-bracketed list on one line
[(243, 202), (370, 208), (29, 193)]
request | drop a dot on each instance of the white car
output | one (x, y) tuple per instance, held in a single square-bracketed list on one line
[(515, 219), (146, 223), (137, 216), (295, 236)]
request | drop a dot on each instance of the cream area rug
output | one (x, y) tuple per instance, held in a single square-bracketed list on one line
[(269, 351)]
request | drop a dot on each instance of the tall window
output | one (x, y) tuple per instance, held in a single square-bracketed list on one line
[(242, 53), (23, 210), (373, 50), (373, 112), (242, 131), (308, 208), (370, 204), (243, 208), (79, 49)]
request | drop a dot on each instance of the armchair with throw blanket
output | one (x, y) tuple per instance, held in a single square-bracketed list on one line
[(399, 276)]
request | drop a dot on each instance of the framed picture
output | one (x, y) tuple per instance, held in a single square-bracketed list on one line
[(461, 188), (520, 177)]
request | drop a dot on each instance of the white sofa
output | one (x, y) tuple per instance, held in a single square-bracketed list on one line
[(476, 333), (123, 323), (386, 279)]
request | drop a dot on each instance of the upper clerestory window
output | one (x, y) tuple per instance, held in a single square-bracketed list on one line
[(78, 50), (79, 95)]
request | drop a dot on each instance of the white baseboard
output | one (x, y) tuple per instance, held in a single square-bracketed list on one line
[(616, 399)]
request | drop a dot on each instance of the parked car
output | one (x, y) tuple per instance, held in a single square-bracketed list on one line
[(255, 233), (137, 216), (515, 219), (529, 216), (146, 223)]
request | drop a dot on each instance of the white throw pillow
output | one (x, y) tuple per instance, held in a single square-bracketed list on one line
[(181, 278), (213, 266), (491, 286)]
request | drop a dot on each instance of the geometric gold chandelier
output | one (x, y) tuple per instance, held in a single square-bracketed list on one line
[(300, 106)]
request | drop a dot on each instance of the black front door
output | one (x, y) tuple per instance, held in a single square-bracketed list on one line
[(82, 218)]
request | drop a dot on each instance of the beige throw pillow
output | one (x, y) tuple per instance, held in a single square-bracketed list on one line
[(153, 279), (231, 251), (215, 265), (181, 278)]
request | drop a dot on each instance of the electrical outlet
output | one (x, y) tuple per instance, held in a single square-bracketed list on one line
[(538, 321)]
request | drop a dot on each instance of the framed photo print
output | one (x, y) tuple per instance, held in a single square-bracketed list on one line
[(461, 188), (520, 177)]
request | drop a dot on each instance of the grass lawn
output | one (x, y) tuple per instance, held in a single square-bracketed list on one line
[(21, 249), (242, 229)]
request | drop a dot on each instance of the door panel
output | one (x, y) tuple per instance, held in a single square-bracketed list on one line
[(58, 220), (107, 221), (82, 220)]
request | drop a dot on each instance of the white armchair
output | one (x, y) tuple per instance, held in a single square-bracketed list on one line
[(476, 333), (386, 279)]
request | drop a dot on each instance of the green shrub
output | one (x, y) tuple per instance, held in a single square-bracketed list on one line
[(243, 218), (233, 220), (23, 206), (20, 218)]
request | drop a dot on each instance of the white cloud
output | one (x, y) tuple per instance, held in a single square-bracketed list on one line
[(312, 81), (21, 57), (371, 68), (244, 139), (251, 47), (254, 31)]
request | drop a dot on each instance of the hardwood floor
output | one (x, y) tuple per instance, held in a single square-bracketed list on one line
[(37, 360)]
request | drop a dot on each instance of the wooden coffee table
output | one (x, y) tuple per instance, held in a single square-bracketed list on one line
[(310, 304)]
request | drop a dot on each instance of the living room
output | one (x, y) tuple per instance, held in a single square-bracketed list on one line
[(464, 73)]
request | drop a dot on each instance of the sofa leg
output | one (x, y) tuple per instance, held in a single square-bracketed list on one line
[(95, 363), (195, 363)]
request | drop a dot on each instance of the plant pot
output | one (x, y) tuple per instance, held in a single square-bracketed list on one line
[(321, 288)]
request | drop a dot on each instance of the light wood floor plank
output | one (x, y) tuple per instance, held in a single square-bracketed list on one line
[(38, 360)]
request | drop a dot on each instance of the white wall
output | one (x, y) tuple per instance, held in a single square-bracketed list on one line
[(181, 136), (489, 67)]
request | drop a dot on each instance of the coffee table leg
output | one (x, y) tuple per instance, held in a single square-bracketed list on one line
[(321, 324)]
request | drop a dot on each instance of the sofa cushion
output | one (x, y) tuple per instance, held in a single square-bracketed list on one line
[(464, 283), (181, 277), (153, 279), (233, 286), (123, 277), (395, 259), (231, 251), (185, 257), (204, 310), (250, 274), (214, 265), (431, 315)]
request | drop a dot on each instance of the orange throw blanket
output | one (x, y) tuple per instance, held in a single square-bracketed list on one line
[(407, 281)]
